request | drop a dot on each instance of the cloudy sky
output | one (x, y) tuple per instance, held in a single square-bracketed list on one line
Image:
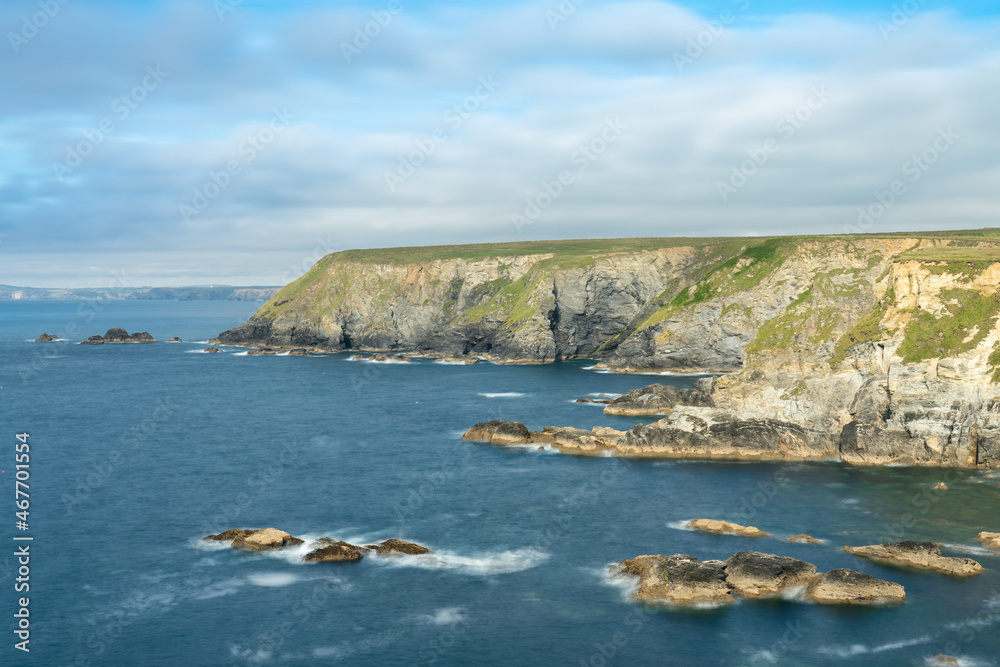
[(236, 142)]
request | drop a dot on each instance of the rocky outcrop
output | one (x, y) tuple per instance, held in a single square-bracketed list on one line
[(264, 539), (260, 353), (328, 551), (175, 339), (751, 574), (918, 555), (683, 580), (499, 432), (298, 352), (989, 540), (457, 360), (843, 586), (657, 399), (118, 335), (397, 547), (804, 539), (46, 338), (724, 528), (211, 350)]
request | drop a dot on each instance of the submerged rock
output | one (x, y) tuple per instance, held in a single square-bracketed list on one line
[(603, 401), (457, 360), (725, 528), (261, 352), (919, 555), (989, 540), (394, 546), (805, 539), (656, 399), (943, 660), (752, 574), (843, 586), (499, 432), (211, 350), (46, 338), (333, 552)]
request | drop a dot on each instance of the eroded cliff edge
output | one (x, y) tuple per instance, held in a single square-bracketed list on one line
[(884, 349)]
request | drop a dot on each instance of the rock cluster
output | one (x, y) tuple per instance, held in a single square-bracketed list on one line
[(918, 555), (687, 581), (323, 550), (117, 335)]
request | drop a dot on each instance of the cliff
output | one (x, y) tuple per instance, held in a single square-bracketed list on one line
[(882, 348)]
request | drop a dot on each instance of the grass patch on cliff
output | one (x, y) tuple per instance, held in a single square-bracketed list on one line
[(868, 329), (969, 319)]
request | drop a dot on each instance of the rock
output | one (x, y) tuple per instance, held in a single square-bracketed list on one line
[(805, 539), (656, 399), (499, 432), (229, 535), (46, 338), (390, 358), (298, 352), (725, 528), (603, 401), (843, 586), (942, 660), (457, 360), (918, 555), (989, 540), (394, 546), (334, 552), (175, 339), (356, 357), (119, 335), (941, 486), (211, 350), (257, 353), (678, 580), (752, 574), (265, 540)]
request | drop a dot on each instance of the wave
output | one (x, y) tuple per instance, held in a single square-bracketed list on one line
[(861, 649), (273, 579), (443, 616), (502, 394), (479, 564)]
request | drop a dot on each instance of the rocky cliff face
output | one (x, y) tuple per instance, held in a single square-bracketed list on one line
[(876, 349)]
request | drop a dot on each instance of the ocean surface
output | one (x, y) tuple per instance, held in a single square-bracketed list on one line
[(139, 451)]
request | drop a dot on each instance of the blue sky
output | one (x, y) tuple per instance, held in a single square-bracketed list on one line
[(236, 142)]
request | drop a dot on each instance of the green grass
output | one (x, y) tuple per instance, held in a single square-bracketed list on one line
[(929, 337)]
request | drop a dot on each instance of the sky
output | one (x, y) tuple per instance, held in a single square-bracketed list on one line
[(237, 142)]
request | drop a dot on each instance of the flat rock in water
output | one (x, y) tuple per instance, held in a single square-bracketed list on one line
[(989, 540), (334, 552), (752, 574), (499, 432), (918, 555), (261, 352), (262, 540), (211, 350), (678, 580), (656, 399), (394, 546), (843, 586), (804, 539), (46, 338), (725, 528)]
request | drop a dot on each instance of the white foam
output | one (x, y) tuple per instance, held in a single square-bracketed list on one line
[(386, 361), (972, 549), (445, 362), (443, 616), (684, 524), (502, 394), (241, 354), (479, 564), (272, 579), (860, 649), (795, 593), (902, 643)]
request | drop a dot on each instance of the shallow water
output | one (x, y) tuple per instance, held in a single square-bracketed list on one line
[(138, 451)]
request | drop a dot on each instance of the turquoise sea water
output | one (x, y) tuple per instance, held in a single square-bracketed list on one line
[(138, 451)]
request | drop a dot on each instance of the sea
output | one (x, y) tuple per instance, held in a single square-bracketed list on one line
[(137, 452)]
